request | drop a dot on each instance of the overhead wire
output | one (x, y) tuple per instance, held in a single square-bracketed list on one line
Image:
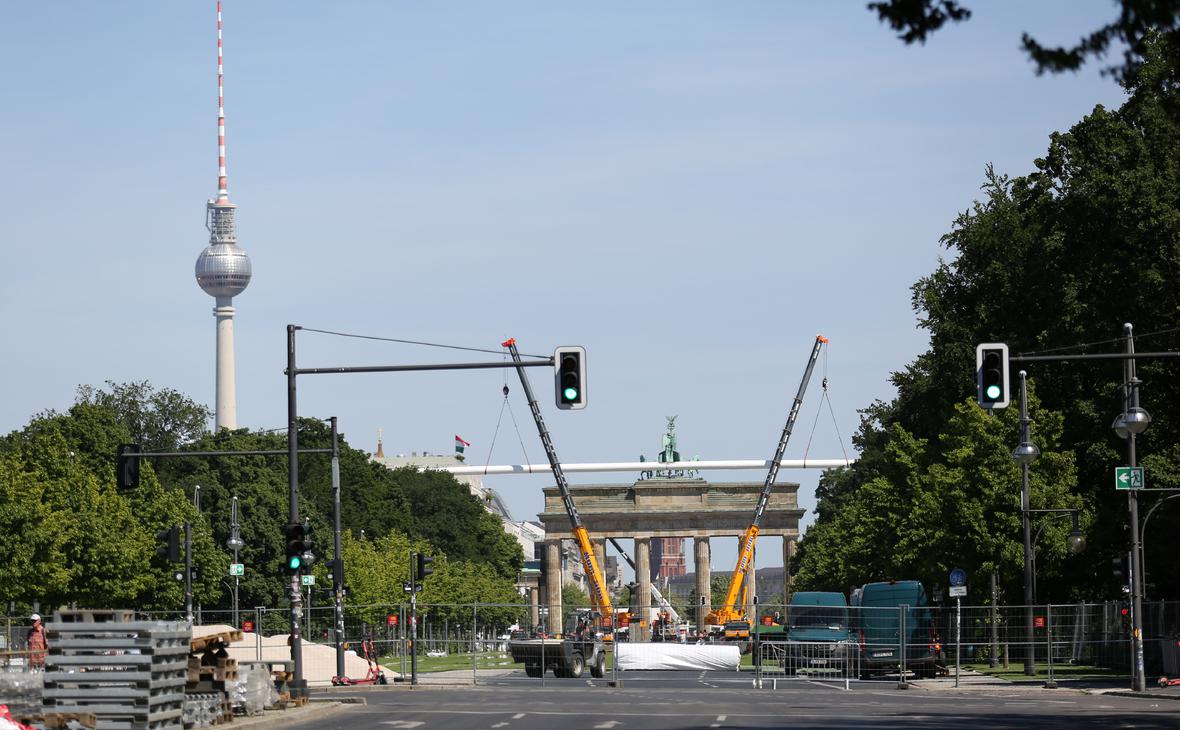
[(410, 342)]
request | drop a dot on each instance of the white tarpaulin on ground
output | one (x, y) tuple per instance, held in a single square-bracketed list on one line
[(699, 657)]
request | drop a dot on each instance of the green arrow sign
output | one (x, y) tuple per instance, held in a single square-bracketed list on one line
[(237, 569), (1128, 477), (309, 580)]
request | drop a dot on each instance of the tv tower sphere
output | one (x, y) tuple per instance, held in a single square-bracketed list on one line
[(223, 268)]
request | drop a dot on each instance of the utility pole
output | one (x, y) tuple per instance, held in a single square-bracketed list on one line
[(298, 685)]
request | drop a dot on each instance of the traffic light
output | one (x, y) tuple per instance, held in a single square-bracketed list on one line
[(991, 375), (570, 377), (294, 536), (127, 468), (169, 544), (308, 555), (424, 563), (1121, 567)]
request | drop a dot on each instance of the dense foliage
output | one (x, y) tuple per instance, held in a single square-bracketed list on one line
[(1050, 261), (67, 535)]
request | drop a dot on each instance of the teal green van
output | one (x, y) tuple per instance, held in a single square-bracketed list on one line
[(818, 633), (877, 624)]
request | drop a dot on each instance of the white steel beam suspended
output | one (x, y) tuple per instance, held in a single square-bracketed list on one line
[(638, 466)]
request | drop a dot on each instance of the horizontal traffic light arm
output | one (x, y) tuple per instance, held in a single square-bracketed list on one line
[(269, 452), (545, 362), (1093, 356)]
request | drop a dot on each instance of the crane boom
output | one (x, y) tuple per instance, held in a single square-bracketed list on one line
[(665, 605), (729, 611), (598, 593)]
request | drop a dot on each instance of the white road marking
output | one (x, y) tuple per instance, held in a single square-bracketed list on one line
[(518, 715), (404, 723), (606, 725), (721, 718), (500, 724)]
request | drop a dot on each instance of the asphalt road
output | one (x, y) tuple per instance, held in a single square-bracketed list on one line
[(654, 704)]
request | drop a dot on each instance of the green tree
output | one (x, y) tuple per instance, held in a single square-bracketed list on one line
[(158, 419), (1044, 262), (1137, 20)]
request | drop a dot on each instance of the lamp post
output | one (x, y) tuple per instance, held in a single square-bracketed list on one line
[(1130, 423), (1076, 541), (1026, 452), (235, 543)]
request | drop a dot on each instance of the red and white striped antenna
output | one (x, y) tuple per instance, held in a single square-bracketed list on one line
[(222, 189)]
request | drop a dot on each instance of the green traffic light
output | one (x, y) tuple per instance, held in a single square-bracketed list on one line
[(993, 392), (294, 562), (570, 393)]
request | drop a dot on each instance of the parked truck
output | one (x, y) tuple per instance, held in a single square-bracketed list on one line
[(579, 647)]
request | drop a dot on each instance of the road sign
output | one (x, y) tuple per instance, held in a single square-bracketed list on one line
[(1128, 477), (958, 591), (237, 569), (407, 587), (248, 626), (308, 580), (958, 577)]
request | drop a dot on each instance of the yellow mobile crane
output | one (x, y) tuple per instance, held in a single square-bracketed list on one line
[(579, 647), (732, 612)]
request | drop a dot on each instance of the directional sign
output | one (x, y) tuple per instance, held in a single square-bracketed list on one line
[(1128, 477), (958, 577), (237, 569), (308, 580)]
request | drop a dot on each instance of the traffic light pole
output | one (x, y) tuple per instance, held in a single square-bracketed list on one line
[(413, 620), (298, 685), (337, 566), (188, 572)]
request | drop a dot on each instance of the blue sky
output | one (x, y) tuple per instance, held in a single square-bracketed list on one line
[(690, 190)]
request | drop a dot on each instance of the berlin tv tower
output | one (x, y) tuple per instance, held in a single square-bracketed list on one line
[(223, 268)]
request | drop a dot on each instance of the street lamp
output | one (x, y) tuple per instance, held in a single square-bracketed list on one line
[(1076, 542), (235, 543), (1134, 421)]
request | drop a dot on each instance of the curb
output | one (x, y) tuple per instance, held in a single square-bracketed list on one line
[(273, 718)]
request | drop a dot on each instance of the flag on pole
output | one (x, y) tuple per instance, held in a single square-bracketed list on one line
[(460, 444)]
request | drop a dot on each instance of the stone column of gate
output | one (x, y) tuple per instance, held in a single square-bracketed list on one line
[(752, 590), (641, 629), (534, 606), (600, 556), (788, 553), (553, 585), (704, 575)]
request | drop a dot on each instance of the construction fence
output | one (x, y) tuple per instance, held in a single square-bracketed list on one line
[(474, 642)]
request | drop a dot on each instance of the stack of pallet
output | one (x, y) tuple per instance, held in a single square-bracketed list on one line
[(107, 669), (211, 672)]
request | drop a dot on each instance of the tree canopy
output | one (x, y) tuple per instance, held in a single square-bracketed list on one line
[(1052, 261), (917, 20), (67, 535)]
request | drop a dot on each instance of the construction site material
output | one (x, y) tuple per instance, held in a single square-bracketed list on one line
[(21, 692), (254, 690), (128, 674), (695, 657)]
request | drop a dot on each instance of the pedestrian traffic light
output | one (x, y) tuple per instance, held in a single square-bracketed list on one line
[(169, 547), (1121, 567), (308, 554), (294, 534), (570, 377), (127, 467), (424, 563), (991, 375)]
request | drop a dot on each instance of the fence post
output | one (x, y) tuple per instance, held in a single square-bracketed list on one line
[(1049, 683), (258, 633), (474, 663), (901, 645)]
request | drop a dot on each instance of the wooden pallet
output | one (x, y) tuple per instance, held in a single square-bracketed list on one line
[(58, 720), (201, 643)]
